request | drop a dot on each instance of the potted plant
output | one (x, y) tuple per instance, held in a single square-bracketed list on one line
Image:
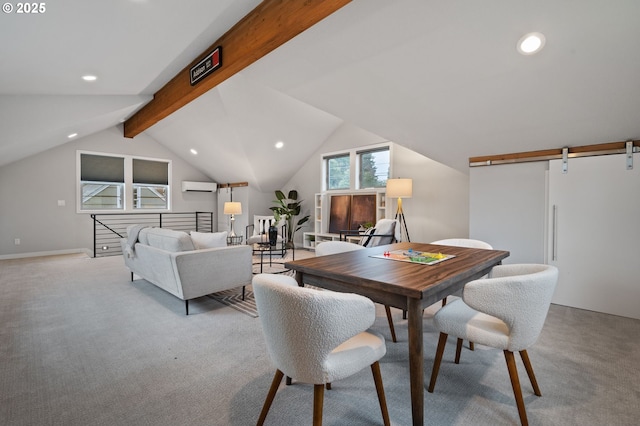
[(287, 208)]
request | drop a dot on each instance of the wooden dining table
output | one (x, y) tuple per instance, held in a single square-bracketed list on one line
[(404, 285)]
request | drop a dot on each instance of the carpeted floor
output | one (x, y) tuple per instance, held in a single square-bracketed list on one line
[(80, 344)]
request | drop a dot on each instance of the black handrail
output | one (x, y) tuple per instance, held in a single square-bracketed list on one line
[(109, 228)]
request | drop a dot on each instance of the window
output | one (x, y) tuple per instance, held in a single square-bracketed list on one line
[(338, 172), (358, 168), (122, 183), (150, 184), (101, 182), (373, 168)]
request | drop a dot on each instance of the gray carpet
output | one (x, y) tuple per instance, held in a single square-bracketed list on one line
[(82, 345)]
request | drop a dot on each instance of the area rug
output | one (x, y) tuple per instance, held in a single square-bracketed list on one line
[(234, 299)]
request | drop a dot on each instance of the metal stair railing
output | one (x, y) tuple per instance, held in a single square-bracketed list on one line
[(109, 228)]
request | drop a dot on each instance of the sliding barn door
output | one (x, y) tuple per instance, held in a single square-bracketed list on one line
[(594, 233)]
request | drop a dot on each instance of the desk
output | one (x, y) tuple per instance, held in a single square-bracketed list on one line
[(403, 285)]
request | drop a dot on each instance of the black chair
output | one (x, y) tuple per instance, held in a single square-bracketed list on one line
[(384, 232)]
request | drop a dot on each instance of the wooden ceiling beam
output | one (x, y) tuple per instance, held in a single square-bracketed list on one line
[(233, 185), (268, 26)]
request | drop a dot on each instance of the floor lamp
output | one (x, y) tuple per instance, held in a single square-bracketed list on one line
[(400, 188), (232, 208)]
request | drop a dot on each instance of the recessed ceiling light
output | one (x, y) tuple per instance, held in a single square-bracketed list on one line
[(193, 151), (72, 135), (531, 43), (89, 77), (279, 144)]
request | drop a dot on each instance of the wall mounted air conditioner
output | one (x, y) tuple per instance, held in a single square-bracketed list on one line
[(199, 186)]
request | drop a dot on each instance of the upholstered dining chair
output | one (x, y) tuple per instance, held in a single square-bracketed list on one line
[(317, 337), (505, 311), (462, 242), (333, 247), (468, 243)]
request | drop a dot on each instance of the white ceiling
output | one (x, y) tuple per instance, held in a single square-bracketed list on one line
[(442, 78)]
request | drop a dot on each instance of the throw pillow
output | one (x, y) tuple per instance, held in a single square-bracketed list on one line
[(366, 236), (205, 240)]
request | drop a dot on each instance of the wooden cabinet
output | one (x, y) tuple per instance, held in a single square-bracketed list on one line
[(322, 214)]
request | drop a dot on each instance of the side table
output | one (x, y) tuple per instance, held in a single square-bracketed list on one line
[(266, 249)]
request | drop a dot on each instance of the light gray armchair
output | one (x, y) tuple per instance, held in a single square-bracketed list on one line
[(505, 311), (316, 337)]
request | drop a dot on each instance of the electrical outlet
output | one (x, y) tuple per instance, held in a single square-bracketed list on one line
[(16, 241), (62, 203)]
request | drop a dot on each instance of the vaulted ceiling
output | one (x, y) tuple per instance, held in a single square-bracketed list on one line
[(441, 78)]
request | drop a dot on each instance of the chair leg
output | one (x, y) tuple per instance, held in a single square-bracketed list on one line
[(442, 341), (328, 386), (471, 346), (444, 301), (390, 320), (288, 381), (377, 378), (515, 384), (272, 393), (318, 398), (458, 350), (529, 368)]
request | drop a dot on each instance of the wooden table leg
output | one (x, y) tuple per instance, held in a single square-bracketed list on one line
[(416, 360)]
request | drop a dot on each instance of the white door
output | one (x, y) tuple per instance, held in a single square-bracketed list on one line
[(594, 231)]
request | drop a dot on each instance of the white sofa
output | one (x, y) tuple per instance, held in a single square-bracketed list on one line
[(178, 264)]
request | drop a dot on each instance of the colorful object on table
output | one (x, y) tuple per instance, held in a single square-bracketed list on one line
[(413, 256)]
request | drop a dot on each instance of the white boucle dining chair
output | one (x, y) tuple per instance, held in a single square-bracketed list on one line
[(463, 242), (505, 311), (468, 243), (317, 337), (334, 247)]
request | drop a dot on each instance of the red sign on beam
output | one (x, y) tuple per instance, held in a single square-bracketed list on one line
[(206, 66)]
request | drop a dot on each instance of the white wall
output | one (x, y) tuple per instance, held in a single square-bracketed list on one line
[(508, 209), (439, 207), (30, 190), (440, 204)]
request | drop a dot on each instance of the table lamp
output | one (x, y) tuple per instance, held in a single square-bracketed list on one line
[(232, 208), (400, 188)]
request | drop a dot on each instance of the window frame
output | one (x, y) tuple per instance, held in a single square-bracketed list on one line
[(128, 197), (354, 166), (327, 175), (359, 157)]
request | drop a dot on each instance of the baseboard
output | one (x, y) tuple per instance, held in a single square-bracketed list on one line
[(46, 253)]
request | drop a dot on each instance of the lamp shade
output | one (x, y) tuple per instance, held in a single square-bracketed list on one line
[(399, 188), (232, 207)]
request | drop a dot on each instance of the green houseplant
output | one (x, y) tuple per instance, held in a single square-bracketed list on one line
[(288, 208)]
